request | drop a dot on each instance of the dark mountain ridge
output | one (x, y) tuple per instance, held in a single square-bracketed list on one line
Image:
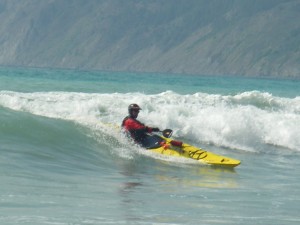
[(229, 37)]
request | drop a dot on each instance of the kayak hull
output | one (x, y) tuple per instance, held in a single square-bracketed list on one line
[(192, 152)]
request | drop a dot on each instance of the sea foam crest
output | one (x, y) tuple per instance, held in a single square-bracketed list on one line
[(246, 121)]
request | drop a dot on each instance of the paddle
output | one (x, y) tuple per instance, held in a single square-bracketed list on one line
[(167, 133)]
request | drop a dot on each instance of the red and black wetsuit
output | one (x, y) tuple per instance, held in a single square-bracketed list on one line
[(136, 129)]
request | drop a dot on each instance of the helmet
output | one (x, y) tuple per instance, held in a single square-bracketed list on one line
[(132, 107)]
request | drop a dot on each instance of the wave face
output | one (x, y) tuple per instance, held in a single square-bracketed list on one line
[(63, 161), (250, 121)]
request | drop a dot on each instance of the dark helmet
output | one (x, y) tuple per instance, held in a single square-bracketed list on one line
[(132, 107)]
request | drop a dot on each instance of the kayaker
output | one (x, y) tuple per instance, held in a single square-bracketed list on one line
[(137, 130)]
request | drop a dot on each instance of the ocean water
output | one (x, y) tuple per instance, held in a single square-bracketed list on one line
[(63, 162)]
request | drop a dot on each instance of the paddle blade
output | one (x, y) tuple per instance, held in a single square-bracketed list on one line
[(167, 133)]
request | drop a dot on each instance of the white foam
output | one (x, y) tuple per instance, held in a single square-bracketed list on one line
[(247, 121)]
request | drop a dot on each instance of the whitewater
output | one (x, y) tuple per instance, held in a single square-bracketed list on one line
[(64, 161), (247, 121)]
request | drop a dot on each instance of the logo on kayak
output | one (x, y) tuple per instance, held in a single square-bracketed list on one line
[(198, 154)]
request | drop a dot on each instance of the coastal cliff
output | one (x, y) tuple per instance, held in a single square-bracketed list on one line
[(230, 37)]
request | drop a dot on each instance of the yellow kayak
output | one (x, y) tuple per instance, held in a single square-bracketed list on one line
[(167, 146), (170, 147)]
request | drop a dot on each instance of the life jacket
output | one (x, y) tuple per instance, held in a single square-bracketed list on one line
[(135, 128)]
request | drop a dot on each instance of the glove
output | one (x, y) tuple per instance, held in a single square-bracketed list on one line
[(155, 129)]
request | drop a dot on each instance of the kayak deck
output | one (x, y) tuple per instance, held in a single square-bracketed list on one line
[(192, 152)]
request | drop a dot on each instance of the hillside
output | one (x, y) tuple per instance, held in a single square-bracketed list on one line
[(229, 37)]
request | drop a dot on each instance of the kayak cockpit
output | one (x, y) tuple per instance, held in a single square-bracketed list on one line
[(152, 141)]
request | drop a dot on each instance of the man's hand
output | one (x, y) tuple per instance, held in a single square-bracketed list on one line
[(155, 129)]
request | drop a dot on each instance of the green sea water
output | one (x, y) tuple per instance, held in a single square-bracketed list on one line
[(61, 164)]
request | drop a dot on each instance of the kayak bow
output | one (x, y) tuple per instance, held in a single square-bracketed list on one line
[(170, 147)]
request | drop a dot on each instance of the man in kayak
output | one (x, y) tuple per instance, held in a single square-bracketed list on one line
[(137, 130)]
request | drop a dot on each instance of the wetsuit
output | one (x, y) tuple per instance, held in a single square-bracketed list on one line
[(136, 129)]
